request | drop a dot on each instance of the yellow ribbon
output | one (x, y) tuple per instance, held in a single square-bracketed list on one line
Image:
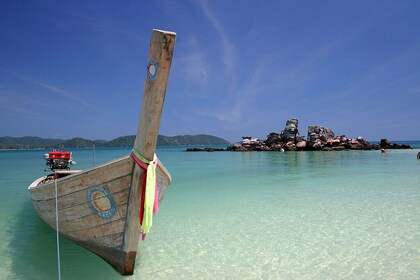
[(149, 196)]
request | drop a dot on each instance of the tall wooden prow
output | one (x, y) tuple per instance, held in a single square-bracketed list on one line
[(159, 62)]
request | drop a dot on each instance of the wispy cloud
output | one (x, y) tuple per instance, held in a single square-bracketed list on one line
[(241, 105), (229, 51), (194, 66), (238, 99), (61, 92), (14, 103), (51, 88), (233, 114)]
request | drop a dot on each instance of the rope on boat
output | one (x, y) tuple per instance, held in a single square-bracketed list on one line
[(56, 227), (94, 156)]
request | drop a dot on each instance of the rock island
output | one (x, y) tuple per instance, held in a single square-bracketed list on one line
[(318, 138)]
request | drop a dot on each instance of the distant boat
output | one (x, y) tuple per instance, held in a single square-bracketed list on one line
[(101, 208)]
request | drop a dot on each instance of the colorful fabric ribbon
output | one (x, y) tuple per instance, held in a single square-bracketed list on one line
[(151, 197)]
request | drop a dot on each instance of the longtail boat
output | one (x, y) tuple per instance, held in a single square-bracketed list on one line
[(108, 208)]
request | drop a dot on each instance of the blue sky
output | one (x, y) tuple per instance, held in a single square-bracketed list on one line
[(77, 68)]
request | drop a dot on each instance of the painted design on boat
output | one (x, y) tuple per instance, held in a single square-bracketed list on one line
[(152, 69), (101, 202)]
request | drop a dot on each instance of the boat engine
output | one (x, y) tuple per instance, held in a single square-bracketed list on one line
[(59, 160)]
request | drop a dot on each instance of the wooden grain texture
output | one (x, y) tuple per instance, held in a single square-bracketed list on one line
[(113, 237), (80, 181), (161, 50)]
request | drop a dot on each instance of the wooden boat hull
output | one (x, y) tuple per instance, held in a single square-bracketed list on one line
[(93, 206), (99, 208)]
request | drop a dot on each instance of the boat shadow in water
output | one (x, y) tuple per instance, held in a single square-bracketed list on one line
[(33, 252)]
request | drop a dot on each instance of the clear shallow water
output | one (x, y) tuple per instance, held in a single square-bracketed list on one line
[(256, 215)]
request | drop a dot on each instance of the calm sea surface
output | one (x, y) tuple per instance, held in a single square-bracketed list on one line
[(255, 215)]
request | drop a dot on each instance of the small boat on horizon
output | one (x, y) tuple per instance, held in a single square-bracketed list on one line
[(108, 208)]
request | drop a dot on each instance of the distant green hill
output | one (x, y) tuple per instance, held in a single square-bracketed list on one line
[(124, 141), (29, 142)]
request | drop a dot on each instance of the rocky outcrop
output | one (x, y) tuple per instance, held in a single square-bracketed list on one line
[(273, 138), (319, 138), (290, 132), (385, 144)]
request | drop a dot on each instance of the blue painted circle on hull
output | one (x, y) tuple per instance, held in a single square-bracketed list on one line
[(101, 202)]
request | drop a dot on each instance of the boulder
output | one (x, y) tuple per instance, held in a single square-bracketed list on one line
[(272, 139), (290, 132), (277, 147), (301, 144), (342, 138), (317, 145), (385, 144), (355, 145), (290, 146), (319, 135), (362, 141), (236, 147), (332, 142)]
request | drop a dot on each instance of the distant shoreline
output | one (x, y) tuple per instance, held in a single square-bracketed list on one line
[(37, 143), (115, 147)]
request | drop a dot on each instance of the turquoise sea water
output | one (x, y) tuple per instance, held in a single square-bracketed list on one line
[(254, 215)]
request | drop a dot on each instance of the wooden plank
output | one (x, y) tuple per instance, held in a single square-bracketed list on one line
[(93, 221), (81, 181), (88, 222), (162, 171), (113, 240), (69, 185), (161, 50), (159, 62), (101, 230), (75, 206), (78, 212), (79, 197)]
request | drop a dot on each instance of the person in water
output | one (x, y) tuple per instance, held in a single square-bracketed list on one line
[(418, 155), (383, 151)]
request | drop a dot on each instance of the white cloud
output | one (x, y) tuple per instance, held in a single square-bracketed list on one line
[(51, 88), (61, 92), (229, 51), (15, 104), (194, 66)]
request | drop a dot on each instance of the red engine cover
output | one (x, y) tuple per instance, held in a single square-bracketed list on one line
[(60, 155)]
